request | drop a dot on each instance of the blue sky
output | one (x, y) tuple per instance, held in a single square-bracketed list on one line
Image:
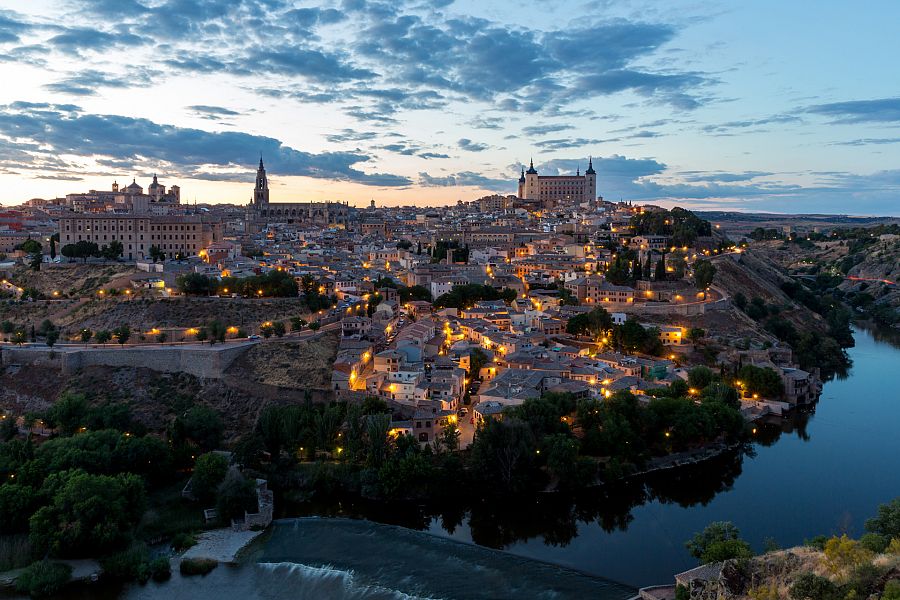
[(764, 105)]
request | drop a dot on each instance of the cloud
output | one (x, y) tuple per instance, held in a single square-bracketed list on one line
[(868, 142), (77, 40), (12, 26), (212, 113), (727, 127), (87, 83), (429, 155), (565, 143), (883, 110), (467, 179), (537, 130), (470, 146), (66, 130)]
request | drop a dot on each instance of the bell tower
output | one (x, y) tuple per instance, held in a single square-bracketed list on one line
[(261, 189)]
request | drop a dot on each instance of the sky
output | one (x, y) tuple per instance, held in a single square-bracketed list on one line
[(771, 105)]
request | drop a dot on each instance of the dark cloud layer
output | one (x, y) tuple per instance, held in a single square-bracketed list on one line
[(66, 130)]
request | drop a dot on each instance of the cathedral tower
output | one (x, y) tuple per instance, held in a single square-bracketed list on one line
[(261, 190)]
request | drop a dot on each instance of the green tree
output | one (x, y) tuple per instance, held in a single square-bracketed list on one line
[(113, 251), (43, 578), (103, 336), (504, 455), (201, 425), (699, 377), (704, 271), (209, 472), (449, 438), (763, 381), (122, 334), (217, 330), (156, 254), (30, 246), (717, 542), (51, 337), (235, 495), (86, 335), (278, 328), (87, 514), (887, 521), (53, 239), (17, 504), (69, 412)]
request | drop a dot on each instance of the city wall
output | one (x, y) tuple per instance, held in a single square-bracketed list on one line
[(207, 362)]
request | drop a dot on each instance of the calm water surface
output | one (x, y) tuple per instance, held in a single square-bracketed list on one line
[(821, 473), (825, 475)]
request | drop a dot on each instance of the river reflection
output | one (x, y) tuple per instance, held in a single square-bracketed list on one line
[(816, 473)]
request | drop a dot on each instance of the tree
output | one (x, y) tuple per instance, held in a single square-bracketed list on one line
[(202, 334), (87, 514), (887, 521), (719, 541), (122, 334), (17, 504), (740, 300), (660, 274), (201, 425), (704, 271), (503, 454), (30, 246), (69, 413), (266, 329), (43, 578), (235, 495), (595, 323), (449, 438), (101, 336), (156, 254), (113, 251), (278, 328), (700, 377), (53, 240), (217, 331), (51, 337), (315, 325), (209, 471), (763, 381), (297, 323)]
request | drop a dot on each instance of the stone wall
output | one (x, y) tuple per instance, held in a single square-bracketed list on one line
[(207, 361)]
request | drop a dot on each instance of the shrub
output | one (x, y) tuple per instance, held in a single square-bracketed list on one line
[(893, 547), (764, 592), (197, 566), (160, 569), (891, 590), (874, 542), (817, 542), (129, 565), (812, 587), (183, 541), (682, 593), (43, 578), (842, 554)]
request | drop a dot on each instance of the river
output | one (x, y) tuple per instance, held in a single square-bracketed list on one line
[(821, 473)]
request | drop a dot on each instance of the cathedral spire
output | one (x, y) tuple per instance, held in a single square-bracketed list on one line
[(531, 170), (590, 169)]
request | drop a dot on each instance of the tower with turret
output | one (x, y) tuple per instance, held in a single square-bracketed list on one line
[(261, 189)]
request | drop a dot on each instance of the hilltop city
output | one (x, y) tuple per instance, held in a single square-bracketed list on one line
[(197, 364)]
